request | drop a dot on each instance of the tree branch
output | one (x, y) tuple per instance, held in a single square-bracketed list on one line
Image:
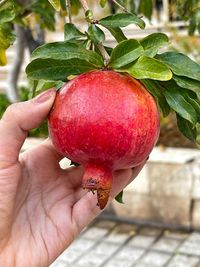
[(12, 90), (100, 46), (119, 5), (84, 5), (69, 10)]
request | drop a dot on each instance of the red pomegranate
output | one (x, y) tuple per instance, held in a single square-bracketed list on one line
[(104, 121)]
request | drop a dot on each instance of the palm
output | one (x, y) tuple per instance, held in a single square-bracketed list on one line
[(45, 205)]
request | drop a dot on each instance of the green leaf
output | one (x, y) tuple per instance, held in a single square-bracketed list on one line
[(44, 12), (55, 4), (96, 34), (6, 36), (125, 52), (103, 3), (43, 85), (149, 68), (117, 33), (157, 91), (119, 197), (179, 103), (146, 8), (67, 50), (181, 65), (122, 20), (188, 83), (8, 11), (71, 32), (55, 70), (88, 15), (153, 42), (186, 128), (3, 59)]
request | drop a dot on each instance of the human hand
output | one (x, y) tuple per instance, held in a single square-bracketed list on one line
[(42, 207)]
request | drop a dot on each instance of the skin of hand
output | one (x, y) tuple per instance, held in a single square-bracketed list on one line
[(43, 208)]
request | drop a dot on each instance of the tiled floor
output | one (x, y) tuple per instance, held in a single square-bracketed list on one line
[(110, 244)]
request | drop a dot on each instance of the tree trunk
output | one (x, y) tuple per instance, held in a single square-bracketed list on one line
[(12, 91)]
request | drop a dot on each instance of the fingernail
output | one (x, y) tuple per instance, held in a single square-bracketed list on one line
[(43, 97)]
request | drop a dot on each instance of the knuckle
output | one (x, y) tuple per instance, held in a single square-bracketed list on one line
[(11, 111)]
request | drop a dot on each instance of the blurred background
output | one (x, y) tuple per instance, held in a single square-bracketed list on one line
[(160, 221)]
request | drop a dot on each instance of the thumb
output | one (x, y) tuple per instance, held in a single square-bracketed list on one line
[(18, 119)]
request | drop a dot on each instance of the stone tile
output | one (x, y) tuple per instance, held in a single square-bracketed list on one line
[(95, 233), (155, 259), (81, 244), (150, 231), (92, 259), (60, 263), (183, 261), (142, 241), (106, 248), (179, 235), (166, 245), (116, 237), (126, 228), (77, 248), (131, 253), (118, 263), (105, 224), (141, 264), (191, 245)]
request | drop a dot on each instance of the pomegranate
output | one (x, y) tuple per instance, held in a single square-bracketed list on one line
[(104, 121)]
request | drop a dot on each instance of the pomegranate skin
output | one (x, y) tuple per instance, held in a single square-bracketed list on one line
[(104, 121)]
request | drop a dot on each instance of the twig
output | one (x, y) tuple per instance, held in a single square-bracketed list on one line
[(69, 10), (84, 5), (100, 46), (104, 53), (119, 5)]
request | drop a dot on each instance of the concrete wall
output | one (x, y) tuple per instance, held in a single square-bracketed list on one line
[(166, 191)]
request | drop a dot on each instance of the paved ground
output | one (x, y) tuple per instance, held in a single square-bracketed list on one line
[(110, 244)]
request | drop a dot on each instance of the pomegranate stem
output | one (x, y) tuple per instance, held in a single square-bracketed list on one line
[(100, 179)]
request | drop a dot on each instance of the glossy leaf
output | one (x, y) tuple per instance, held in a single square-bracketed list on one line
[(8, 11), (125, 53), (6, 36), (188, 83), (3, 59), (103, 3), (65, 51), (117, 33), (153, 42), (179, 103), (55, 70), (122, 20), (119, 197), (146, 8), (96, 34), (186, 128), (55, 4), (181, 64), (71, 32), (157, 91), (149, 68)]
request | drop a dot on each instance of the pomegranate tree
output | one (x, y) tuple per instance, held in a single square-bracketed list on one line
[(107, 117)]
